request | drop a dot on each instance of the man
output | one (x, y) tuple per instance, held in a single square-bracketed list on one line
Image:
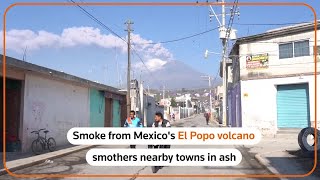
[(159, 122), (133, 122)]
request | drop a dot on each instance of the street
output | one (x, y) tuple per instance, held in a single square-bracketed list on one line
[(76, 163), (70, 76)]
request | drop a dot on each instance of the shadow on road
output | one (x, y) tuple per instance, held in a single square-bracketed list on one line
[(306, 160)]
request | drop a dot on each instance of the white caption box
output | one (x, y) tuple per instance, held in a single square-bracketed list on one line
[(163, 136), (164, 157)]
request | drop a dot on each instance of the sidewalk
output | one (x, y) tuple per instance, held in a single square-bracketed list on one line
[(282, 155), (27, 159), (11, 156)]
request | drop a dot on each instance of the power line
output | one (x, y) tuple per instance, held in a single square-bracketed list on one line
[(139, 57), (183, 38), (115, 25), (98, 21), (110, 30), (207, 31)]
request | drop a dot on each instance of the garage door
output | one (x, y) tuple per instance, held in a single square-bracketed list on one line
[(293, 106)]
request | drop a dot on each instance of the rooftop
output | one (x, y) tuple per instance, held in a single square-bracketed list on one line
[(274, 33), (278, 32), (13, 63)]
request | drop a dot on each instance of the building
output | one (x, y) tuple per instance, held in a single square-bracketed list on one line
[(150, 107), (273, 84), (39, 97), (217, 103), (185, 106)]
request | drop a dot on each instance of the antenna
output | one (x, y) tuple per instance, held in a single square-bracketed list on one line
[(118, 72), (24, 54)]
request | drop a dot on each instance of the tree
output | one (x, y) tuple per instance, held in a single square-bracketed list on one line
[(173, 102)]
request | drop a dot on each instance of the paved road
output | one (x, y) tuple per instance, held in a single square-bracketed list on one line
[(76, 163)]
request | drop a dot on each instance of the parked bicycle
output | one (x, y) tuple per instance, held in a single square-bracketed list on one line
[(42, 143)]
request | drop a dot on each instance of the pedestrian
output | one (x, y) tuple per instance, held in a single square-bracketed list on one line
[(207, 116), (159, 122), (171, 116), (133, 122), (162, 123)]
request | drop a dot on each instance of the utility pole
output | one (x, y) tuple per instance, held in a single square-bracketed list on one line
[(118, 72), (224, 36), (25, 54), (224, 43), (129, 23), (210, 93)]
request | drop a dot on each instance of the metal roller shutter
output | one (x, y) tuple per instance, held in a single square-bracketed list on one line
[(293, 106)]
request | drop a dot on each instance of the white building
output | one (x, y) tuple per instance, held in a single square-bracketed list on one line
[(276, 73)]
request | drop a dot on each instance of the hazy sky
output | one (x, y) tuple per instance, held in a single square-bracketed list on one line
[(66, 39)]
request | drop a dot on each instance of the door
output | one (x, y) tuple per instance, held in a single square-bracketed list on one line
[(293, 106), (13, 112), (116, 114), (108, 113)]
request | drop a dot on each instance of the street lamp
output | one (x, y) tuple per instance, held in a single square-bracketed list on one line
[(207, 52)]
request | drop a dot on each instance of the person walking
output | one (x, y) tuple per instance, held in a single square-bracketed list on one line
[(159, 122), (133, 122), (207, 116)]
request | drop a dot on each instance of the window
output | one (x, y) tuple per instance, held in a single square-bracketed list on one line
[(301, 48), (294, 49), (286, 50)]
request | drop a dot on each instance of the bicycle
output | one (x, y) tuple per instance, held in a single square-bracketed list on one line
[(42, 143)]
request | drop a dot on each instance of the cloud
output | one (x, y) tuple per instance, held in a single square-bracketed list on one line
[(152, 64), (18, 40), (150, 50)]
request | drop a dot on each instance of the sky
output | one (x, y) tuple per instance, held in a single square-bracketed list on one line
[(64, 38)]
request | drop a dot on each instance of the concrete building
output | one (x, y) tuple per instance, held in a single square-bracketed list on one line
[(185, 104), (274, 79), (150, 107), (38, 97)]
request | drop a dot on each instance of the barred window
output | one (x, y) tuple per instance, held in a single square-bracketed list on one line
[(301, 48), (294, 49), (285, 50)]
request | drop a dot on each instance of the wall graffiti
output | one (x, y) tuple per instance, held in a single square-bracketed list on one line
[(38, 109)]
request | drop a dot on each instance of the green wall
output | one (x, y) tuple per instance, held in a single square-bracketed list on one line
[(116, 113), (97, 108)]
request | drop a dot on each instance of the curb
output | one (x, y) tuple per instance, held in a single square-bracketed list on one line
[(265, 163), (30, 161)]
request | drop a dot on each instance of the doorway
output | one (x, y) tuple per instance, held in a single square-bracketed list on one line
[(13, 114), (108, 113)]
